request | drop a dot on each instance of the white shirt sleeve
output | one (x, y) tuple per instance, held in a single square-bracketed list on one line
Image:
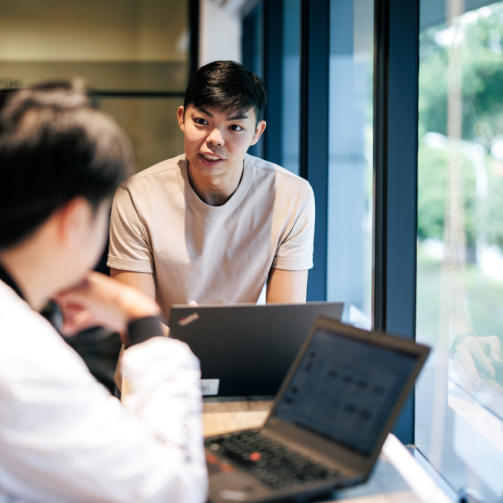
[(64, 438)]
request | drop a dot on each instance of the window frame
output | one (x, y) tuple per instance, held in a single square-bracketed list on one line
[(396, 72)]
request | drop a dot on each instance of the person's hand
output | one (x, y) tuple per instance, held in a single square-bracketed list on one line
[(102, 301), (473, 352)]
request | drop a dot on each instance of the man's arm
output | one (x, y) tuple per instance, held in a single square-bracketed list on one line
[(142, 281), (148, 451), (287, 286)]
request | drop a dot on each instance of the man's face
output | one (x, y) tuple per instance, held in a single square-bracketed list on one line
[(216, 141)]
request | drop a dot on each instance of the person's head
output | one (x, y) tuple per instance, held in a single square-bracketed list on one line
[(60, 164), (221, 116)]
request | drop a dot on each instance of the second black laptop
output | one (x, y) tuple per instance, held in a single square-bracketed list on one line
[(331, 416), (246, 349)]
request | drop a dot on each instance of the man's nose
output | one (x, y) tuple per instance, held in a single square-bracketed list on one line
[(216, 138)]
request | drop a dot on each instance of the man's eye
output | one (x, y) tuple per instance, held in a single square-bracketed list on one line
[(235, 127), (201, 122)]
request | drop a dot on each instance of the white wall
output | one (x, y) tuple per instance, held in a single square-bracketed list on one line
[(220, 30)]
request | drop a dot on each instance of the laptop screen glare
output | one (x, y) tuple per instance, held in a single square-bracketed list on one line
[(345, 388)]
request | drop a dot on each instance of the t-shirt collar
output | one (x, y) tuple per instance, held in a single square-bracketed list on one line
[(234, 200), (9, 281)]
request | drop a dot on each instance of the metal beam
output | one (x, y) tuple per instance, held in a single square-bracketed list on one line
[(395, 175), (273, 57), (315, 48)]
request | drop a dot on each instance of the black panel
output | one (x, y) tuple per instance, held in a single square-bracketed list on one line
[(395, 192), (194, 12), (273, 41), (314, 129)]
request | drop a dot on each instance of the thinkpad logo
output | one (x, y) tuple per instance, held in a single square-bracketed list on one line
[(189, 319)]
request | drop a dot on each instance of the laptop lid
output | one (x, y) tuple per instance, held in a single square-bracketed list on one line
[(247, 349), (345, 391)]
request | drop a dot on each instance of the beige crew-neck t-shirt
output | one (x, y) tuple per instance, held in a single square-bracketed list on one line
[(211, 254)]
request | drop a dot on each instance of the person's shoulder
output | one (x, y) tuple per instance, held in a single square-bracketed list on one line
[(282, 177), (27, 335), (151, 175)]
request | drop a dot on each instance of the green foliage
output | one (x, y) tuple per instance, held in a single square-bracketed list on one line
[(482, 75), (482, 101), (432, 180)]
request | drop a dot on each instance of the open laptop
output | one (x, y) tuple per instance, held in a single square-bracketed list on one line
[(330, 419), (246, 349)]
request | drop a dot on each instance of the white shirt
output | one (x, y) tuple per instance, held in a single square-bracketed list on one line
[(64, 438)]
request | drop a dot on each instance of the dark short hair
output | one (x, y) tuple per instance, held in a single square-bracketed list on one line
[(226, 85), (55, 147)]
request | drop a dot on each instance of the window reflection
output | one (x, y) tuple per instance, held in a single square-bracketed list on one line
[(350, 158), (291, 86), (459, 404)]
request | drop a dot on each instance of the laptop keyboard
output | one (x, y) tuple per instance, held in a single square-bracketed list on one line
[(274, 464)]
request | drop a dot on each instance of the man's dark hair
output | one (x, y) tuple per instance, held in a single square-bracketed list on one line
[(226, 85), (55, 147)]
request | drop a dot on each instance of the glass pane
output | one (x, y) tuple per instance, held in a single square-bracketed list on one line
[(253, 54), (112, 44), (349, 277), (152, 124), (291, 86), (459, 399)]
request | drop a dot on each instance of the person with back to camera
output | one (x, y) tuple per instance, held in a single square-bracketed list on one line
[(63, 437), (215, 224)]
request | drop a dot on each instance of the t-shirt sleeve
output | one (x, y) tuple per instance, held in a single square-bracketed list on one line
[(295, 252), (129, 247)]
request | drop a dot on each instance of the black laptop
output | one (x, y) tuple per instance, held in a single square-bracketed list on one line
[(246, 349), (330, 419)]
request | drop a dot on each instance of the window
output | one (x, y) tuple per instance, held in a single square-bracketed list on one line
[(291, 87), (349, 262), (459, 398)]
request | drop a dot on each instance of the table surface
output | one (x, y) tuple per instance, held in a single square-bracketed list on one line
[(385, 485)]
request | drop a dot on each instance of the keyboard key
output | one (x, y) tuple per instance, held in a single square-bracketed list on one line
[(273, 463)]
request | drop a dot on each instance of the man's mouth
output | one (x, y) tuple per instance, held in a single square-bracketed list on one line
[(211, 158)]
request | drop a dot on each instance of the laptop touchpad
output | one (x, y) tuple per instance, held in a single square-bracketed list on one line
[(237, 486)]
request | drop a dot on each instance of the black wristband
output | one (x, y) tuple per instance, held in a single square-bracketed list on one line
[(143, 329)]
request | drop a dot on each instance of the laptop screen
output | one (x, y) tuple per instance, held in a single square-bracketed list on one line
[(345, 388)]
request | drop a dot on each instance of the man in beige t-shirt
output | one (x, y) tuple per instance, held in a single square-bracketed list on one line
[(214, 225)]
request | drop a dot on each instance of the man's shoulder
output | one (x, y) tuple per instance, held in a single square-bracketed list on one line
[(281, 176), (25, 335), (151, 175)]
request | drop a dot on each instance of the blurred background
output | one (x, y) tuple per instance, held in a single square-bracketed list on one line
[(326, 123), (136, 57), (133, 54)]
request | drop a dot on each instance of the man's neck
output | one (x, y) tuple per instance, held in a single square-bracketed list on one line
[(23, 264), (217, 190)]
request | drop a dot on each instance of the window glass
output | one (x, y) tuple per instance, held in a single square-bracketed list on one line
[(291, 86), (349, 273), (253, 53), (459, 398)]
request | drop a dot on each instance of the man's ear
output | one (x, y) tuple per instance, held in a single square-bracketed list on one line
[(258, 132), (484, 132), (74, 220), (181, 118)]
